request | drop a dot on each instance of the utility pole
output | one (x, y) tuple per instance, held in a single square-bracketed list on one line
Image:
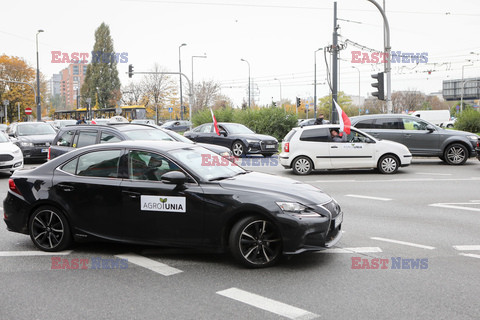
[(334, 114)]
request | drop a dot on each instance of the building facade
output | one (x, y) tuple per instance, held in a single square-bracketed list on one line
[(72, 79)]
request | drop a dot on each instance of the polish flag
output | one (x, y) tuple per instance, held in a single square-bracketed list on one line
[(344, 120), (215, 122), (93, 122)]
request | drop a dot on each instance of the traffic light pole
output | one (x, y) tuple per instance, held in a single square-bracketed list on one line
[(333, 112), (387, 68), (178, 73)]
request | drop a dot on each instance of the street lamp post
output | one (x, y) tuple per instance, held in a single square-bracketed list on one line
[(358, 89), (248, 81), (39, 106), (280, 82), (193, 86), (315, 81), (180, 70)]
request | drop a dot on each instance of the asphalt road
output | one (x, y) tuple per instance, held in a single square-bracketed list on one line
[(422, 224)]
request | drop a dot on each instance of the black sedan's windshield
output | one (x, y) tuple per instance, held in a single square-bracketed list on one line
[(236, 128), (35, 129), (206, 164)]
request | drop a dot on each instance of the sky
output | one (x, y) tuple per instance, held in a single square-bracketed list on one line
[(279, 39)]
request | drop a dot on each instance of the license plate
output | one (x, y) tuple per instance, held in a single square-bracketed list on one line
[(338, 220), (269, 146), (44, 150)]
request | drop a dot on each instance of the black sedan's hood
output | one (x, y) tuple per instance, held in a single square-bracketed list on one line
[(283, 189), (257, 136), (38, 138)]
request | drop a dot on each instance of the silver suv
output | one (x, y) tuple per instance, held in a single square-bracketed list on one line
[(421, 137)]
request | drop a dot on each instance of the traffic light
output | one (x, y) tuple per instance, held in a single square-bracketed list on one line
[(130, 70), (298, 102), (274, 103), (380, 94)]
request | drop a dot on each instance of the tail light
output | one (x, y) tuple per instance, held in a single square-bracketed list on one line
[(286, 147), (13, 187), (49, 149)]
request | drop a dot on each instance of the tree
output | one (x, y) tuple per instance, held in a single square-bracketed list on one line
[(16, 69), (206, 94), (344, 101), (157, 89), (132, 94), (102, 74), (407, 100)]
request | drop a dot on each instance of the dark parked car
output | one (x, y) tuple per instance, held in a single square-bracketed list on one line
[(154, 193), (71, 137), (33, 138), (421, 137), (240, 139), (177, 125)]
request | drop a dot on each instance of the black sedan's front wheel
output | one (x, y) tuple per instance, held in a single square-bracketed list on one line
[(255, 242), (455, 154), (49, 229), (238, 149)]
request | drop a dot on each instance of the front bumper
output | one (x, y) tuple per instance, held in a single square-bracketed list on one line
[(36, 152), (15, 163), (262, 147)]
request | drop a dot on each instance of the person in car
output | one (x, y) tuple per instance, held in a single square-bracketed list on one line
[(335, 136)]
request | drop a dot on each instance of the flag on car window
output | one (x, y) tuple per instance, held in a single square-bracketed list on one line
[(344, 120), (215, 122)]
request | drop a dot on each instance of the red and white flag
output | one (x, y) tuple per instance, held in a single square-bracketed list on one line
[(215, 122), (344, 120)]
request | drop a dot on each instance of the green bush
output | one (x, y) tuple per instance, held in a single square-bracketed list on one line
[(468, 120), (270, 121)]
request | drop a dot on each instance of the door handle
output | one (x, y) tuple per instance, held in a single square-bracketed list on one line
[(408, 135), (65, 187), (334, 147), (131, 194)]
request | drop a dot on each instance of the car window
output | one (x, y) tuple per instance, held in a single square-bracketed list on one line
[(66, 138), (365, 124), (35, 129), (85, 138), (357, 137), (206, 128), (148, 134), (143, 165), (106, 137), (96, 164), (388, 123), (289, 135), (236, 128), (319, 135), (413, 124)]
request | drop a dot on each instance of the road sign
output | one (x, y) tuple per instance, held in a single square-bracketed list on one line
[(6, 102), (170, 110), (28, 110)]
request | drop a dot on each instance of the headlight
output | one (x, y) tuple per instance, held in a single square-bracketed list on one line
[(226, 154), (473, 138), (17, 151), (26, 144), (296, 209), (253, 141)]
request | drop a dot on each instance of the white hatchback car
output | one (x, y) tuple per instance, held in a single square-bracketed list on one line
[(11, 157), (310, 148)]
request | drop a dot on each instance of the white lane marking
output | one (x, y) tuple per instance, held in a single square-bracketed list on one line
[(466, 247), (267, 304), (33, 253), (367, 197), (352, 250), (404, 243), (471, 255), (454, 206), (150, 264), (401, 180), (435, 173)]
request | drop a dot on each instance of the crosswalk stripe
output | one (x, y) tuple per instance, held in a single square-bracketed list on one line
[(471, 255), (404, 243), (467, 247), (267, 304), (33, 253), (352, 250), (367, 197), (150, 264)]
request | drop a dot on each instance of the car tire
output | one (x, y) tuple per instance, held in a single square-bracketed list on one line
[(238, 149), (302, 166), (267, 155), (49, 229), (455, 154), (388, 164), (255, 242)]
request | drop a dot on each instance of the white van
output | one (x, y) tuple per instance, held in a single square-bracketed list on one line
[(437, 117)]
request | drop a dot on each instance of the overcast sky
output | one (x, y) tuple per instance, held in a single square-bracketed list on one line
[(278, 39)]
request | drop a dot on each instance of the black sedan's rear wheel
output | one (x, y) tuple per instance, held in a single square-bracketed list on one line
[(255, 242), (238, 149), (49, 230), (455, 154), (302, 166)]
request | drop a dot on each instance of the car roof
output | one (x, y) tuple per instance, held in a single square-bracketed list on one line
[(383, 115), (316, 126), (118, 126)]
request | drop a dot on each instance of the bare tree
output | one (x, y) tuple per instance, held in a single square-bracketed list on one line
[(206, 94), (156, 88), (407, 100), (132, 94)]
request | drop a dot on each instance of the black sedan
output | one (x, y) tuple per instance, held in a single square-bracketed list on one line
[(163, 193), (33, 138), (240, 139)]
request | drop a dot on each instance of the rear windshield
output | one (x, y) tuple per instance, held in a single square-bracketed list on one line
[(289, 135), (148, 134)]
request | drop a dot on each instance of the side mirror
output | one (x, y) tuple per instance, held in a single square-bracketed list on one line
[(11, 134), (174, 177), (430, 128), (223, 133)]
